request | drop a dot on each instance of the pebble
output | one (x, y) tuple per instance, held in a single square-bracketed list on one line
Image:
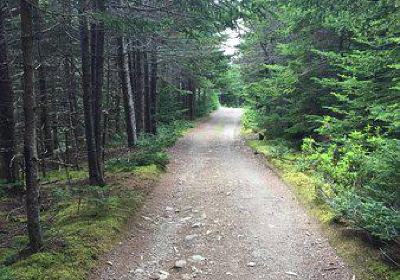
[(251, 264), (191, 237), (184, 220), (137, 271), (163, 275), (180, 264), (196, 225), (290, 273), (197, 258)]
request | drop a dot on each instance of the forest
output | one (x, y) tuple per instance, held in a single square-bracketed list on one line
[(93, 92), (321, 81)]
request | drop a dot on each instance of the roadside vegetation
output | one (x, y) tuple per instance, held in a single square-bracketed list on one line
[(81, 222), (361, 252), (320, 83)]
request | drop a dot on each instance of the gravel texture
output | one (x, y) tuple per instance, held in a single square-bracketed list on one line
[(220, 213)]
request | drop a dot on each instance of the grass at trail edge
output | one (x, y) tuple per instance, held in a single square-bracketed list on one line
[(82, 222), (362, 257)]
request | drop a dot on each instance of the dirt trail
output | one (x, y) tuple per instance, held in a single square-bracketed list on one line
[(220, 202)]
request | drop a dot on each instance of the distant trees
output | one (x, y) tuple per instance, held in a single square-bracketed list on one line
[(8, 165), (92, 73), (129, 103)]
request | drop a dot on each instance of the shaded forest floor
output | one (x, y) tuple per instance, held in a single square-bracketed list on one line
[(81, 222)]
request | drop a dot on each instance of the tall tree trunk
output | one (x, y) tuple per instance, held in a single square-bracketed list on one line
[(8, 171), (136, 83), (139, 88), (97, 68), (70, 84), (107, 112), (191, 99), (30, 148), (44, 116), (129, 104), (153, 93), (146, 92), (117, 109), (94, 177)]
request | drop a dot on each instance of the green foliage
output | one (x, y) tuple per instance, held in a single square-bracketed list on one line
[(361, 172), (83, 221), (128, 163), (328, 79), (150, 148), (7, 188), (86, 222), (232, 87), (289, 164)]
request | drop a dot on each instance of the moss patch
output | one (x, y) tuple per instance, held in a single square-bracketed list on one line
[(83, 222), (81, 230), (362, 258)]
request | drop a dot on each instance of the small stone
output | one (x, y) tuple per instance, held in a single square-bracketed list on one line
[(180, 264), (163, 275), (251, 264), (184, 220), (109, 263), (191, 237), (197, 258), (196, 225), (290, 273), (163, 272), (137, 271)]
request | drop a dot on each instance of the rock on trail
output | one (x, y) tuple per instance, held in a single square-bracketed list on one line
[(220, 213)]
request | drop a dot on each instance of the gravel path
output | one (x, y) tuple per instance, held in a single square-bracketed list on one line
[(220, 213)]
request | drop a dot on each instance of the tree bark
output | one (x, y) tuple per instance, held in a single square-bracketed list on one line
[(8, 170), (44, 116), (30, 147), (153, 94), (191, 99), (97, 68), (136, 83), (129, 104), (146, 92), (94, 177), (70, 85)]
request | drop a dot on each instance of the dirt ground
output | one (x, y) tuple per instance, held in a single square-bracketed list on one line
[(220, 213)]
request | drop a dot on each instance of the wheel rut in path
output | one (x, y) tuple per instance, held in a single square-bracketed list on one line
[(224, 215)]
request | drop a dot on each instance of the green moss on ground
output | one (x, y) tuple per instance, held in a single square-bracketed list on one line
[(83, 222), (363, 259), (81, 230), (63, 175)]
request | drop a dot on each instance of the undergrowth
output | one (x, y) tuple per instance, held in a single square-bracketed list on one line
[(82, 222), (363, 258)]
